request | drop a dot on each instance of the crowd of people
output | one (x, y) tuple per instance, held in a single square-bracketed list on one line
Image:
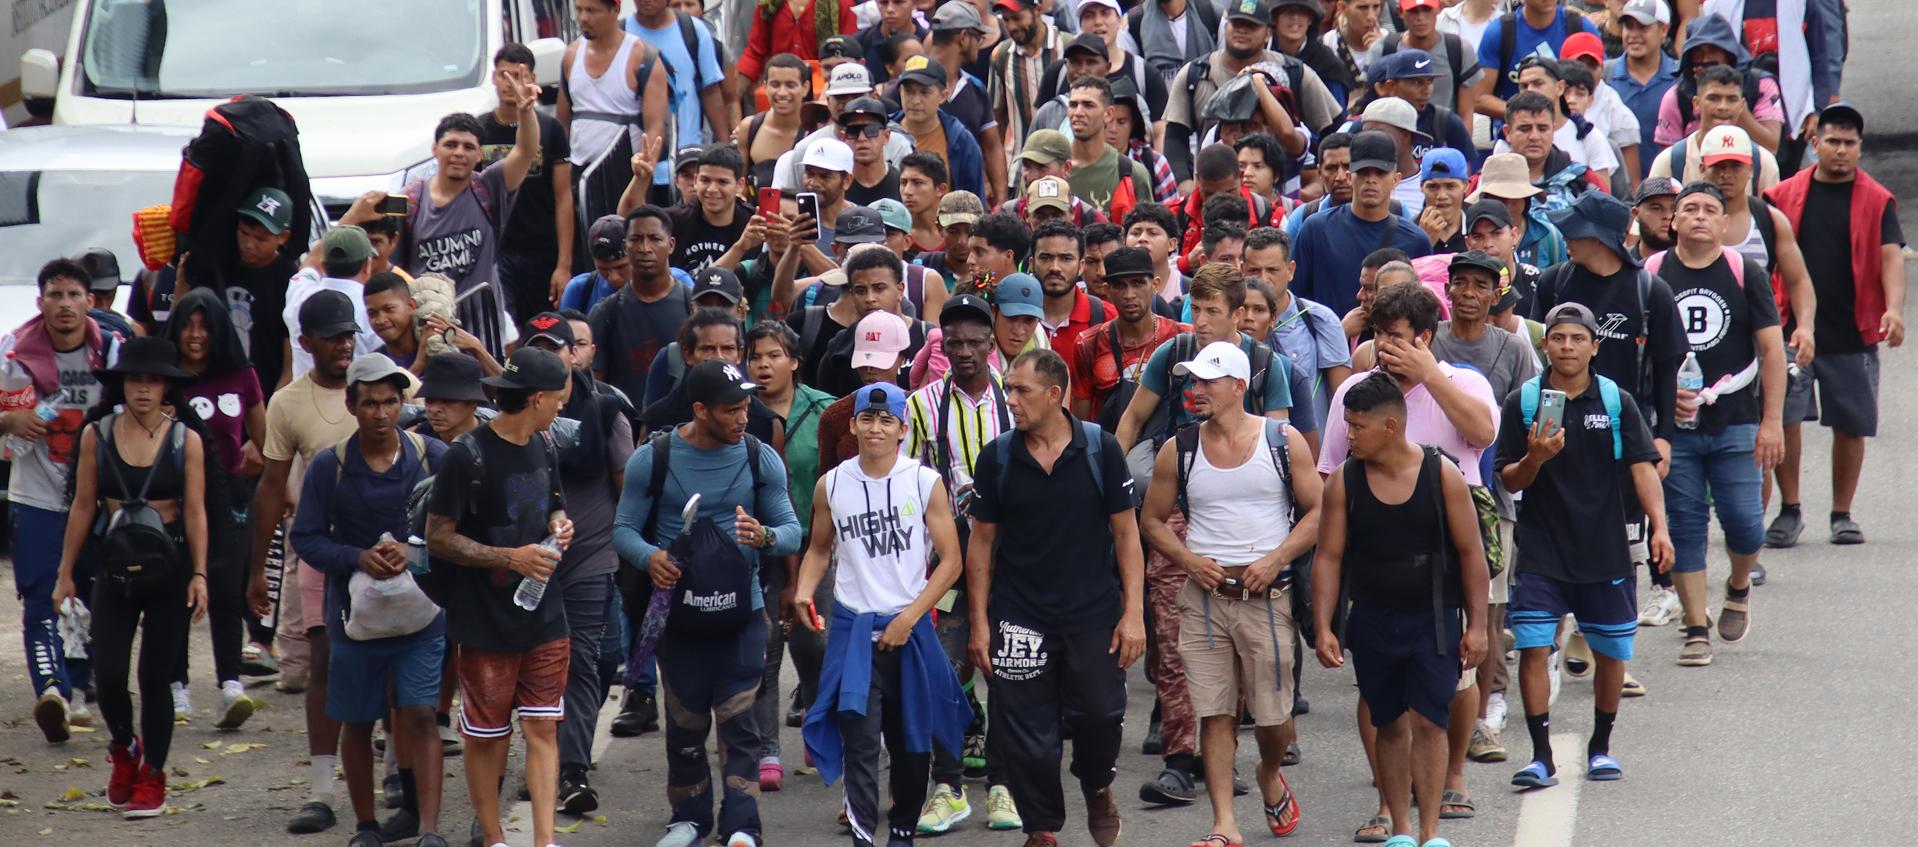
[(971, 353)]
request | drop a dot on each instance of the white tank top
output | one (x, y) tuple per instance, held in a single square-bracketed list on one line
[(1754, 244), (1236, 515), (879, 534), (603, 105)]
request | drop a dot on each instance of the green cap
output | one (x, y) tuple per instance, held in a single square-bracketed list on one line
[(1046, 146), (270, 208), (893, 213), (344, 244)]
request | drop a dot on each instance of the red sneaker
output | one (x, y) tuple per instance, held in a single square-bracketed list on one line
[(149, 794), (126, 767), (1283, 817)]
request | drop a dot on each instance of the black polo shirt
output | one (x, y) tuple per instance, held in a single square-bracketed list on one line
[(1054, 569), (1571, 526)]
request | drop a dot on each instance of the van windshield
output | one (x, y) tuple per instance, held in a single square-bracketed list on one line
[(218, 48)]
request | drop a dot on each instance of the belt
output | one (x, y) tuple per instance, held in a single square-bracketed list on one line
[(1224, 593)]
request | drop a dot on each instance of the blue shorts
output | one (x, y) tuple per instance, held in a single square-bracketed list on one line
[(358, 673), (1396, 659), (1607, 612)]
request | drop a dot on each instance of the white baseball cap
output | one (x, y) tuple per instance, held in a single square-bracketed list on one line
[(1110, 4), (829, 154), (1218, 359), (849, 78)]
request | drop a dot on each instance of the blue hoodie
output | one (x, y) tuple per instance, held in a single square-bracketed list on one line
[(967, 166)]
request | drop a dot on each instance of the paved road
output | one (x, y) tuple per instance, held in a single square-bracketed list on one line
[(1796, 736)]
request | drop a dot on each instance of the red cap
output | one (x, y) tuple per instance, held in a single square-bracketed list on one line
[(1582, 44), (1009, 5), (1409, 5)]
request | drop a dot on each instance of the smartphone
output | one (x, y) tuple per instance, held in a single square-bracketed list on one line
[(768, 202), (1551, 410), (394, 206), (809, 208)]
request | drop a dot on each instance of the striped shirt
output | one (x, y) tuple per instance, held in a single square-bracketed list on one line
[(1012, 84), (968, 425)]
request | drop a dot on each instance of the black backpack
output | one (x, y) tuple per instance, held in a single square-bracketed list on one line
[(437, 581), (135, 551), (1184, 347), (713, 597), (1299, 571), (244, 144)]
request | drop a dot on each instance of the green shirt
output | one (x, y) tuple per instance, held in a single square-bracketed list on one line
[(802, 449), (1095, 184)]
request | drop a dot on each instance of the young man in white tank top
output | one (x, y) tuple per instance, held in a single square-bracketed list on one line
[(602, 93), (885, 677), (1247, 519)]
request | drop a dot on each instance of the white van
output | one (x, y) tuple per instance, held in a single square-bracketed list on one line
[(366, 80)]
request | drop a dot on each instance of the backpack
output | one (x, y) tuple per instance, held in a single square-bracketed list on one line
[(393, 605), (1115, 403), (1199, 70), (1184, 347), (1607, 393), (1095, 444), (1298, 572), (135, 550), (715, 588), (1508, 39), (1749, 77), (1732, 257), (1642, 377), (1681, 152), (244, 144), (437, 580), (416, 198), (1208, 22), (1444, 566)]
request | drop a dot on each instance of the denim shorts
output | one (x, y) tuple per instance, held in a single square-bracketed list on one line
[(1714, 473), (358, 673)]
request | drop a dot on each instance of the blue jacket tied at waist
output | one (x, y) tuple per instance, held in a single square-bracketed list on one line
[(932, 707)]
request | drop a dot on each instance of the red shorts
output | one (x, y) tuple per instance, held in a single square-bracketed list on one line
[(493, 684)]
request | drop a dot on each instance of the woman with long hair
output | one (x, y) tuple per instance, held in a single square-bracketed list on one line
[(146, 473), (225, 393)]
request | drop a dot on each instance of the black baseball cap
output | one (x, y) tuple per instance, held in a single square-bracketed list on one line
[(927, 72), (103, 269), (531, 369), (1479, 260), (328, 314), (1253, 11), (719, 281), (550, 326), (858, 225), (451, 376), (1488, 208), (864, 107), (841, 47), (1128, 261), (607, 238), (716, 383), (965, 307), (1375, 150), (1655, 186), (1087, 42)]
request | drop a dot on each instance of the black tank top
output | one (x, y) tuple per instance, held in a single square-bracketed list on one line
[(169, 480), (1390, 549)]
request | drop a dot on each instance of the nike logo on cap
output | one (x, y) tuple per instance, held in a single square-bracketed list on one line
[(1421, 65)]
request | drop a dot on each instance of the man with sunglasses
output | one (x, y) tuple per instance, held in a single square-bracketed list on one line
[(862, 125)]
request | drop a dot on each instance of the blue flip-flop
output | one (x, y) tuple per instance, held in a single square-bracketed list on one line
[(1534, 776), (1603, 768), (1437, 842), (1402, 841)]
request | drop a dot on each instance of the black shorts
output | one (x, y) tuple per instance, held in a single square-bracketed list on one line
[(1396, 658), (1845, 396)]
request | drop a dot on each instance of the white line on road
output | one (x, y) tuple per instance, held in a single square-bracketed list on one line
[(519, 817), (1547, 816)]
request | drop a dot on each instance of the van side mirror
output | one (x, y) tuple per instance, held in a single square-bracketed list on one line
[(39, 81), (548, 53)]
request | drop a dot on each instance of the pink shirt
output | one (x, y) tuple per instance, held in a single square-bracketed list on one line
[(1425, 422), (1770, 108)]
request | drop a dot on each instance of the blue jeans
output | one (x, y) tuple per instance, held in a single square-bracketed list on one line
[(38, 537), (1714, 472)]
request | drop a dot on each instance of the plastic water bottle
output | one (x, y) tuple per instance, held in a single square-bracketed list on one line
[(16, 392), (416, 560), (530, 589), (1691, 377)]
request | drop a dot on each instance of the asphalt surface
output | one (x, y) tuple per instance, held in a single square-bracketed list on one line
[(1796, 736)]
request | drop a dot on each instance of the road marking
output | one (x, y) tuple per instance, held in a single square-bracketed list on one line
[(519, 817), (1547, 816)]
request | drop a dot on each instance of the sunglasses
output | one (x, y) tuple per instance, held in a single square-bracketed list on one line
[(865, 131)]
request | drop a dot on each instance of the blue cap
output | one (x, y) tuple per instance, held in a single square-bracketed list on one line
[(880, 397), (1444, 163), (1019, 296), (1407, 63)]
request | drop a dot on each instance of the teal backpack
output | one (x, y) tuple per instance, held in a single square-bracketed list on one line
[(1607, 393)]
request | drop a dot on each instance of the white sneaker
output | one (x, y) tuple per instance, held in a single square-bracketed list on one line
[(77, 714), (1659, 607), (681, 834), (742, 839), (182, 703), (235, 707)]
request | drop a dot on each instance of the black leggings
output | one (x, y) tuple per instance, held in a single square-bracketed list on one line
[(161, 614), (226, 603)]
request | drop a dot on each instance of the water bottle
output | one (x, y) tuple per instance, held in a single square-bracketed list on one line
[(530, 589), (416, 555), (1691, 377), (16, 392)]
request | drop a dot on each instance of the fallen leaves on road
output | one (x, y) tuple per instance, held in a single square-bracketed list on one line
[(233, 747), (195, 785), (570, 828)]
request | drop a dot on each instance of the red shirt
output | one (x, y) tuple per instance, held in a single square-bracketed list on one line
[(785, 31), (1065, 337), (1094, 371)]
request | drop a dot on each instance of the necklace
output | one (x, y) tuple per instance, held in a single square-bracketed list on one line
[(315, 400), (151, 431)]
